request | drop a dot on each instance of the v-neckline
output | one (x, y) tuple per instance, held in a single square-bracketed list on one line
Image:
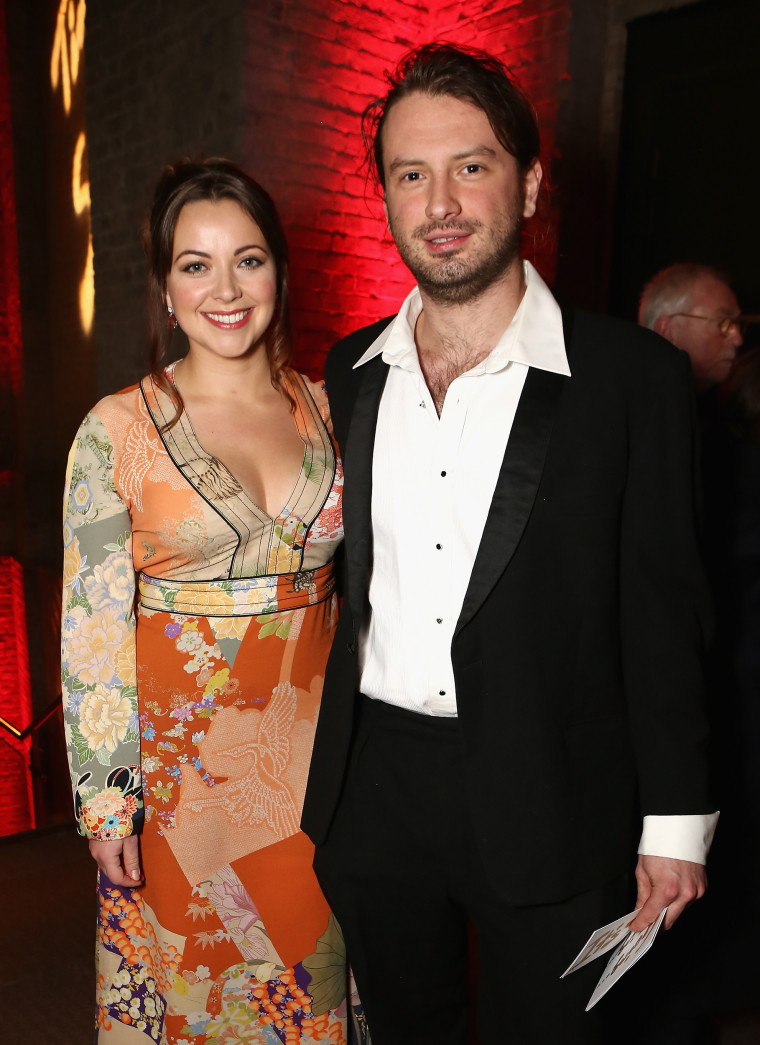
[(212, 459), (264, 544)]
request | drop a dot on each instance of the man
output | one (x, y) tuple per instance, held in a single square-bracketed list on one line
[(517, 662), (694, 307)]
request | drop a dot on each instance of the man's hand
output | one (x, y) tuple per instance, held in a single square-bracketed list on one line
[(119, 859), (667, 883)]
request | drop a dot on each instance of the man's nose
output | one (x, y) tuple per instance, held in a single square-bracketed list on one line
[(443, 200), (735, 335)]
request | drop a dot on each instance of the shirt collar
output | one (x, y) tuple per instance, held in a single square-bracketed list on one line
[(534, 337)]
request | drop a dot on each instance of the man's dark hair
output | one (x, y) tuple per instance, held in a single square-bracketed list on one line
[(473, 76)]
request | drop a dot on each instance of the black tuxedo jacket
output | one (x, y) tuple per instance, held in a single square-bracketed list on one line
[(577, 655)]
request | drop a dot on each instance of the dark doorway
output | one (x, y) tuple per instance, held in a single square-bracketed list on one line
[(690, 149)]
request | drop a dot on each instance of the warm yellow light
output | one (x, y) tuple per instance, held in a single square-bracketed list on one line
[(80, 190), (67, 46), (76, 35), (87, 291)]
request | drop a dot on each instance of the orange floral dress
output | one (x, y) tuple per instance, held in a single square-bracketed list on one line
[(195, 634)]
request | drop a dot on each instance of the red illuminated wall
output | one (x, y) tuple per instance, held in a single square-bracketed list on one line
[(16, 806), (289, 83), (10, 314), (16, 799), (311, 68)]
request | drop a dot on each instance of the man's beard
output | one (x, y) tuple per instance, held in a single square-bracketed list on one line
[(450, 279)]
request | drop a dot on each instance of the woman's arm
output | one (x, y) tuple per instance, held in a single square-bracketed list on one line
[(98, 670)]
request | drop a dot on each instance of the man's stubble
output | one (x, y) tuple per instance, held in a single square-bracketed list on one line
[(453, 279)]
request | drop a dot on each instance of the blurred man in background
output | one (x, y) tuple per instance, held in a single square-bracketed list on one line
[(694, 307)]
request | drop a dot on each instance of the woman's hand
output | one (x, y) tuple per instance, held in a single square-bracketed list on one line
[(119, 859)]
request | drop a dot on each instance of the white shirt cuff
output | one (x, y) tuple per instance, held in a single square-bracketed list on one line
[(680, 837)]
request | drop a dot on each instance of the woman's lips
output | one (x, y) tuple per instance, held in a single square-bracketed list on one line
[(229, 320)]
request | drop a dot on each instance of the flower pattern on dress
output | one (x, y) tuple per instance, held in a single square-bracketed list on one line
[(73, 564), (135, 995), (112, 584), (104, 716), (329, 524), (154, 736), (93, 647)]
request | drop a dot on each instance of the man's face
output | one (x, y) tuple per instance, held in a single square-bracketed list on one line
[(454, 196), (712, 355)]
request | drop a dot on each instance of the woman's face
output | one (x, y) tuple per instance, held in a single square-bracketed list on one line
[(222, 283)]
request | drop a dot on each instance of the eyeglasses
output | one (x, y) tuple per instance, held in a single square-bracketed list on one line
[(724, 325)]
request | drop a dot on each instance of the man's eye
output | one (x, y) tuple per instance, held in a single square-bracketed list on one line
[(473, 168), (411, 176)]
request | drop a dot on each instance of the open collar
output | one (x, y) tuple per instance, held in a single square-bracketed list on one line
[(534, 337)]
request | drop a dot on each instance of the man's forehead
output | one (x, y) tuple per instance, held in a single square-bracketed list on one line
[(714, 293), (449, 106), (421, 122)]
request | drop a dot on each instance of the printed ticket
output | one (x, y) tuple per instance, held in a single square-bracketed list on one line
[(629, 947)]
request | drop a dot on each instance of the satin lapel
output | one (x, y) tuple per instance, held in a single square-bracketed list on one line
[(357, 495), (516, 486)]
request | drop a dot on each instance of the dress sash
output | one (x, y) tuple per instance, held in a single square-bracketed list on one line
[(248, 597)]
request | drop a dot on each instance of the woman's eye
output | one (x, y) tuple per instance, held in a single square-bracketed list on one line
[(194, 266), (250, 262)]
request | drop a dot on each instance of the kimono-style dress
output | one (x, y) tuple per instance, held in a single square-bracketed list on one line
[(195, 634)]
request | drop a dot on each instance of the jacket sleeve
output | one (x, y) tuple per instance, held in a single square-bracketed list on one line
[(666, 612), (98, 667)]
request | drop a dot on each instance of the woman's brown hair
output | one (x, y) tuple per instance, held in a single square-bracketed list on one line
[(214, 179)]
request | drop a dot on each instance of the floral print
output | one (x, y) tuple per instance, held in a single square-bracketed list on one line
[(195, 632), (104, 716)]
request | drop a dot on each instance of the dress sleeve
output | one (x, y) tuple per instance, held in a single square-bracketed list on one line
[(98, 666)]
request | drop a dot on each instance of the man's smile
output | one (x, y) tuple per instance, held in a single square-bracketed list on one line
[(440, 244), (443, 241)]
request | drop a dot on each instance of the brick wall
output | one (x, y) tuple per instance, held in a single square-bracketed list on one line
[(163, 81), (16, 808), (307, 78), (279, 86), (16, 794)]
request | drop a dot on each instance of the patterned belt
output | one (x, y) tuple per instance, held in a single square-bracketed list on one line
[(238, 598)]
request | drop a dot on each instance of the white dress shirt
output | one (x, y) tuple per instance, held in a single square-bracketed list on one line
[(433, 479), (432, 484)]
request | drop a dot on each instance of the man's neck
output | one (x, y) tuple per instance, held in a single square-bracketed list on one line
[(452, 339), (473, 327)]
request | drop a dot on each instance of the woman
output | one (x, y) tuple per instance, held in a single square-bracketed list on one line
[(202, 513)]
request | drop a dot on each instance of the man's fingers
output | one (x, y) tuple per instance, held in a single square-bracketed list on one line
[(648, 914), (651, 910), (644, 886), (691, 889), (664, 882)]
